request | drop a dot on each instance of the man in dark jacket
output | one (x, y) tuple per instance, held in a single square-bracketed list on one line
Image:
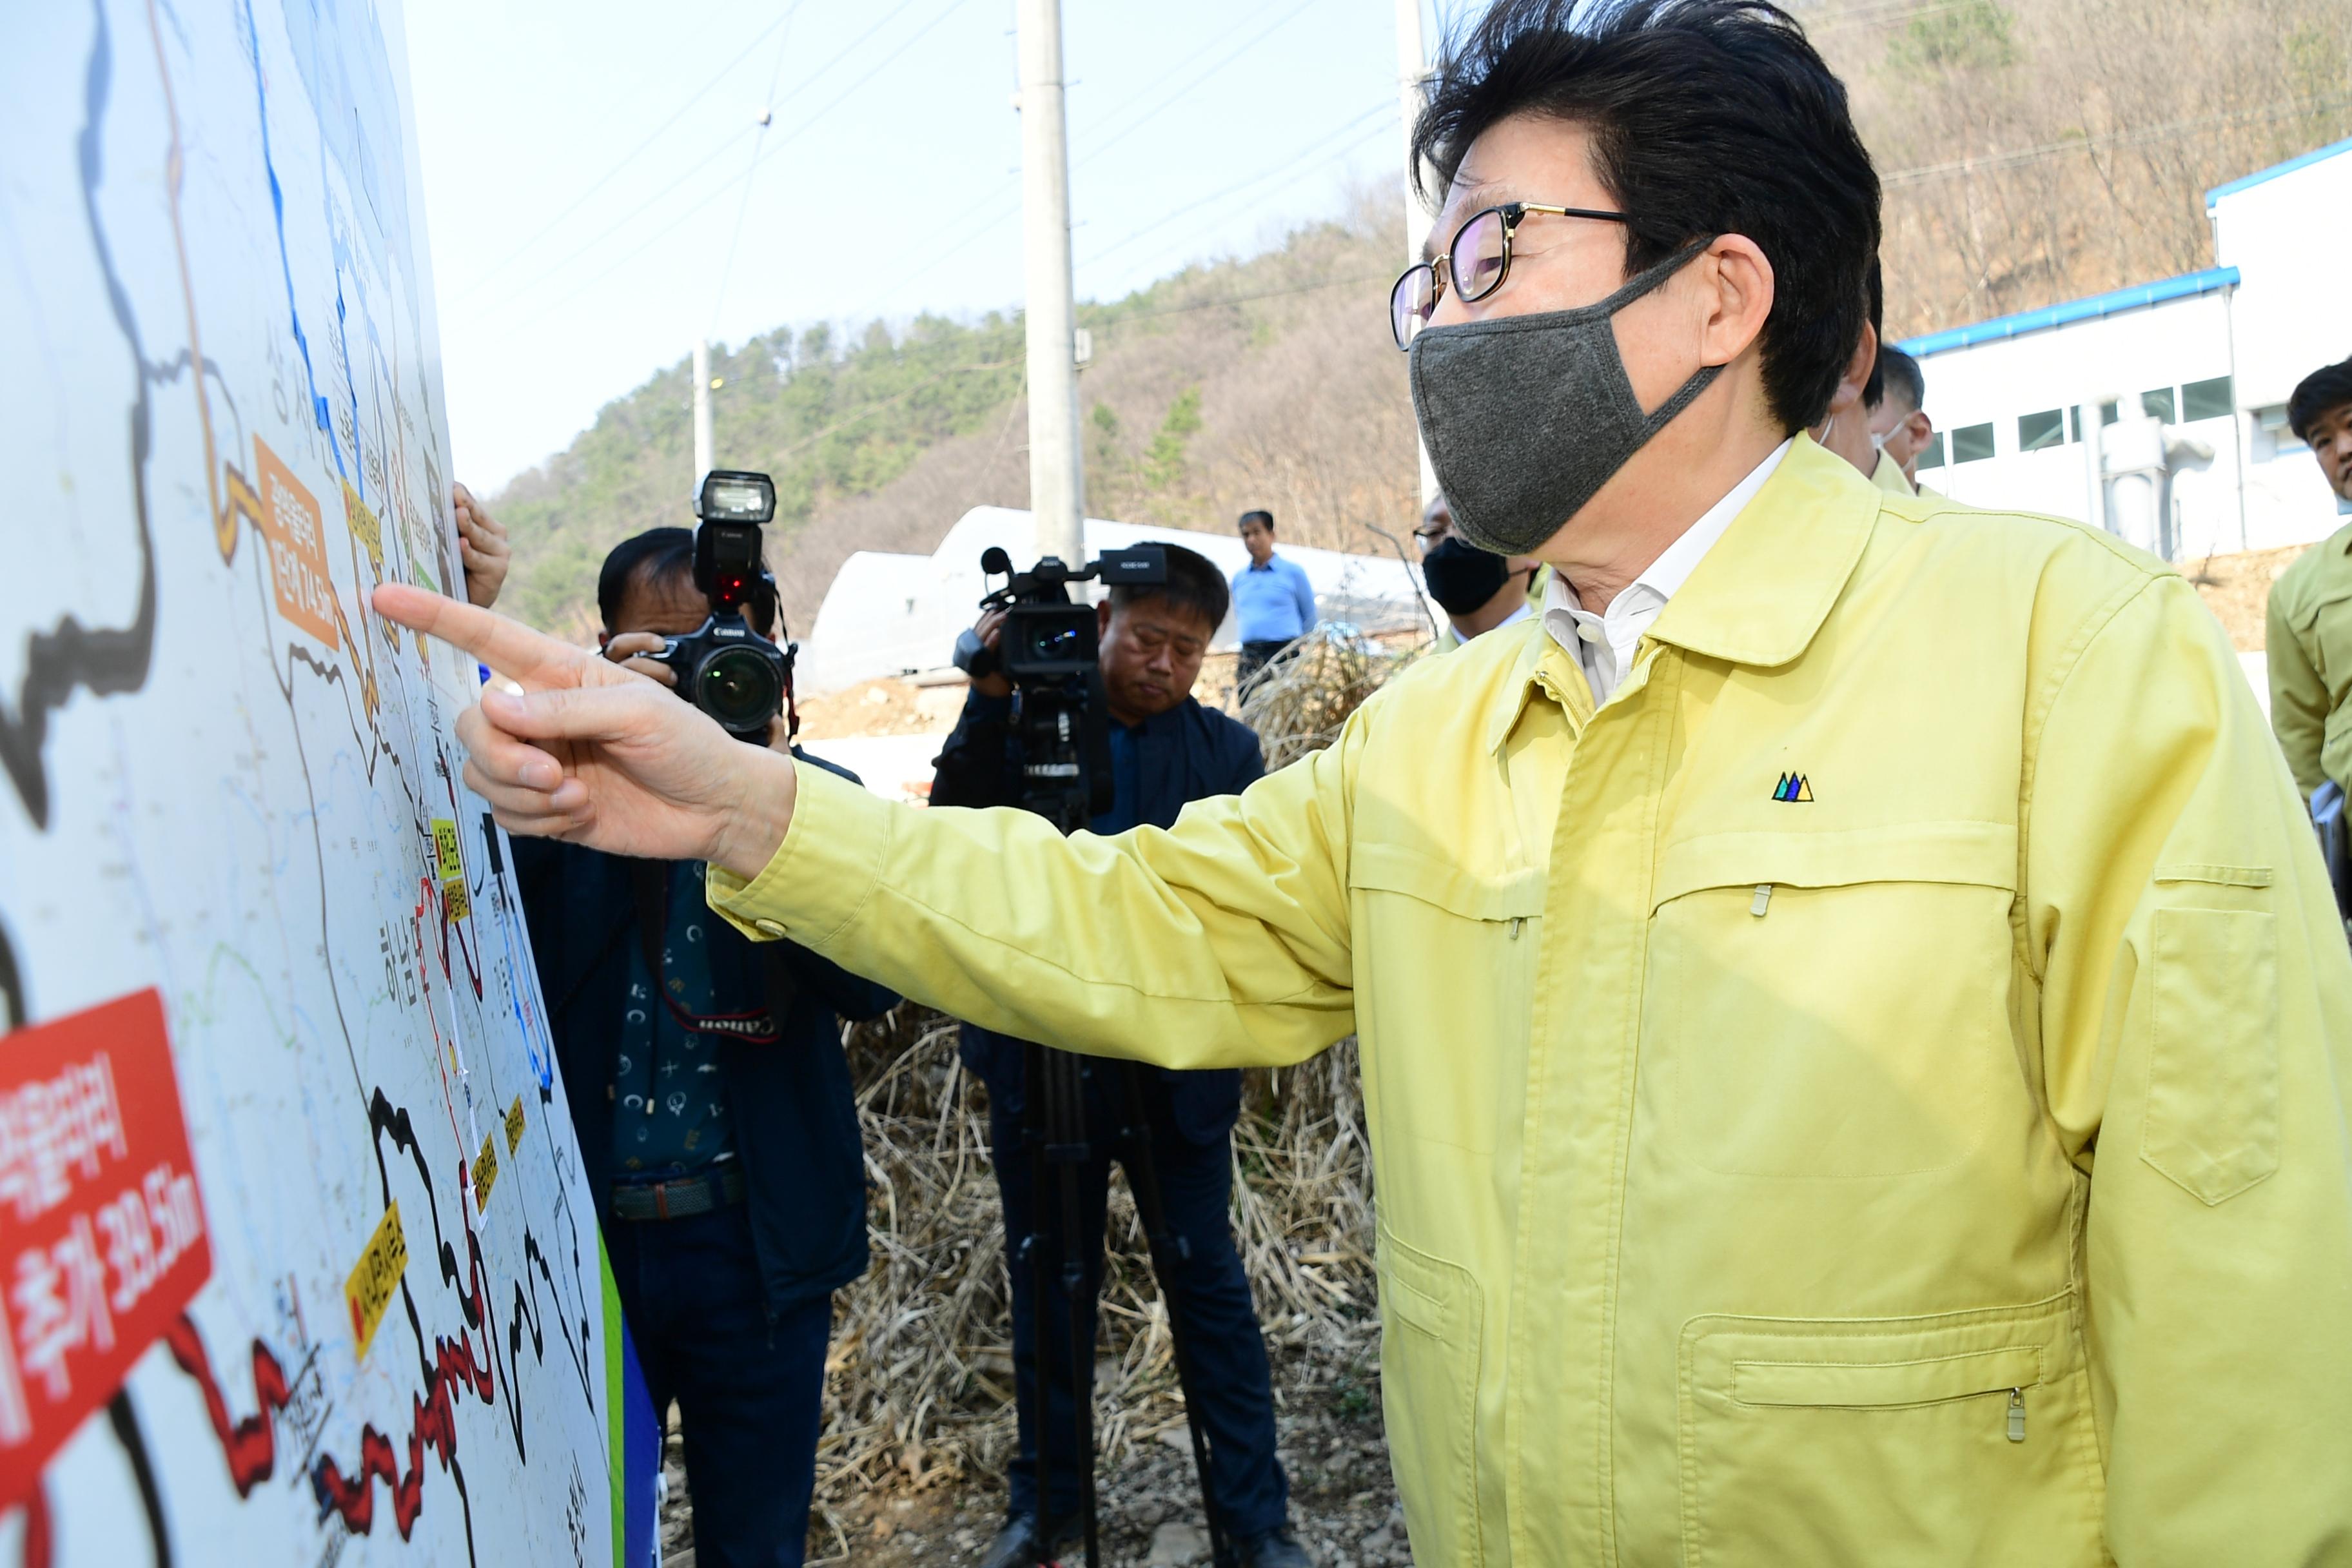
[(1165, 750), (712, 1103)]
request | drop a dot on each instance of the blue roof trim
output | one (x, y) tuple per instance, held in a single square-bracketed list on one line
[(2139, 296), (2275, 171)]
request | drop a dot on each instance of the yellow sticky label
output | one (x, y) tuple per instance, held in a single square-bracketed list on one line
[(370, 1289), (455, 904), (444, 848), (485, 1170), (363, 526), (514, 1125)]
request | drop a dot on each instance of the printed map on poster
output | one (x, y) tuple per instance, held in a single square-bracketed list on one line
[(296, 1265)]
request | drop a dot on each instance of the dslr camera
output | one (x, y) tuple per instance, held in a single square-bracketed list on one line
[(726, 669), (1048, 649)]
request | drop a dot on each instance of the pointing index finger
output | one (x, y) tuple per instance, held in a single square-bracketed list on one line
[(536, 661)]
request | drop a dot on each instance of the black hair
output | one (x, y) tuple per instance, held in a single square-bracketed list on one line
[(1249, 517), (2324, 391), (1708, 117), (1194, 586), (1900, 373), (660, 553)]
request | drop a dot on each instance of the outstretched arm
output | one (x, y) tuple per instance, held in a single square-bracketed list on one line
[(1224, 941)]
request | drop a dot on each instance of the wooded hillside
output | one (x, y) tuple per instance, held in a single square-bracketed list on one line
[(2029, 154)]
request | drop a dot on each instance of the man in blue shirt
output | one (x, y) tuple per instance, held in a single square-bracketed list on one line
[(1273, 600), (1165, 750), (717, 1128)]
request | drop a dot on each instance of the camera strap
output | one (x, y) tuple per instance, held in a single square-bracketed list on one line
[(765, 1027)]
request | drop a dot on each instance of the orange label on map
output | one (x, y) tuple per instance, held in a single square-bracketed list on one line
[(296, 531)]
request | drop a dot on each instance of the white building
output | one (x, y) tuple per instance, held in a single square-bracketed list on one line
[(2206, 360), (889, 614)]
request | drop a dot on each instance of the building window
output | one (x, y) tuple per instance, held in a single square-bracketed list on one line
[(2108, 414), (1931, 456), (2211, 399), (2035, 431), (1971, 443), (2158, 404)]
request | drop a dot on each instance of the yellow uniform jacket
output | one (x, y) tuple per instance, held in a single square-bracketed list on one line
[(2309, 643), (1874, 1092)]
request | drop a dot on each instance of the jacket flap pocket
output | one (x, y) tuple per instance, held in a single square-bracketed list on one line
[(1864, 1383), (1979, 854), (1392, 868)]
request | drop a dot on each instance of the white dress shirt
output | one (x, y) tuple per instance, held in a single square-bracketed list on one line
[(1604, 644)]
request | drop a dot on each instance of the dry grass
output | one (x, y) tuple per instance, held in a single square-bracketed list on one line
[(919, 1391), (1299, 704)]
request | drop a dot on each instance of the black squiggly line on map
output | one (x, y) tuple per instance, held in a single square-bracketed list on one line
[(106, 660), (13, 1006)]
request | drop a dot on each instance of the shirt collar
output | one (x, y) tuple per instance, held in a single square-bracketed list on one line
[(1762, 587)]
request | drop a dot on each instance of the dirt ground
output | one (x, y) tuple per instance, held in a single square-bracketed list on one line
[(1342, 1500)]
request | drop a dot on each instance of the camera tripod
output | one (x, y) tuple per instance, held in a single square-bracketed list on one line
[(1054, 1122)]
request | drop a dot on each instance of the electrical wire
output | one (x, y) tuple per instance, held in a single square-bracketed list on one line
[(667, 231), (767, 114), (1177, 96), (1289, 166), (629, 157)]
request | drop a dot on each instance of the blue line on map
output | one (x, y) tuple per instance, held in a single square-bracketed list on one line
[(318, 409)]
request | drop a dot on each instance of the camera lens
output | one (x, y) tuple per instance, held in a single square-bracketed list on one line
[(1057, 642), (739, 688)]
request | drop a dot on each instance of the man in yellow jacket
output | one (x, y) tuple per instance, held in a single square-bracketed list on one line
[(2310, 630), (1854, 1028)]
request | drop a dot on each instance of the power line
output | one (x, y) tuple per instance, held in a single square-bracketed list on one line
[(1287, 166), (767, 113), (665, 232), (631, 155), (1178, 95), (1927, 173), (940, 257), (1124, 317)]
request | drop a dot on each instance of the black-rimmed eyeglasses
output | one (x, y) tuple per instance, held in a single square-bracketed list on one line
[(1473, 265)]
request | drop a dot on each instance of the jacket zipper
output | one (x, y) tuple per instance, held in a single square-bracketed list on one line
[(1763, 898), (2017, 1415)]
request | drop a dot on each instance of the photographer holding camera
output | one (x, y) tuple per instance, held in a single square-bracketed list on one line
[(706, 1077), (1164, 750)]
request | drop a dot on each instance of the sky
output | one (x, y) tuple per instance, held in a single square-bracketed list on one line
[(599, 193)]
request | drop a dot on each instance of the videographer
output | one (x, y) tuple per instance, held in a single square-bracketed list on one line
[(712, 1103), (1166, 750)]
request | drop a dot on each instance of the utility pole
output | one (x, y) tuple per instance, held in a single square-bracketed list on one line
[(703, 462), (1056, 483), (1412, 86)]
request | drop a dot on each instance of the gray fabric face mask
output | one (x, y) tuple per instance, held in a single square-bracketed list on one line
[(1527, 417)]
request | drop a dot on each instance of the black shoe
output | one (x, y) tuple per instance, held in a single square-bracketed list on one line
[(1020, 1544), (1278, 1548)]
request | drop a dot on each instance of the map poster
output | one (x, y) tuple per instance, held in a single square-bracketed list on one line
[(297, 1262)]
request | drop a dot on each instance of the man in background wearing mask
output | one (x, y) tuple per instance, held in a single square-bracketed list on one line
[(1478, 590), (1898, 419), (1855, 1027)]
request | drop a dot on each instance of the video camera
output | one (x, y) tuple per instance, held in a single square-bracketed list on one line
[(1048, 649), (726, 669)]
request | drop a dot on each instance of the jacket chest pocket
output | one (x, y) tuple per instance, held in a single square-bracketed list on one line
[(1833, 1004), (1454, 953)]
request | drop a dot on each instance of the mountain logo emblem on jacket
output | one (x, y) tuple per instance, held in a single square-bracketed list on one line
[(1793, 788)]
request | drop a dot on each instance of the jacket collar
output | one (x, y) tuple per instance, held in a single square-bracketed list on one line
[(1761, 594), (1757, 597)]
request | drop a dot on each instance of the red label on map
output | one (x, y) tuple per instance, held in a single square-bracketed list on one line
[(102, 1228)]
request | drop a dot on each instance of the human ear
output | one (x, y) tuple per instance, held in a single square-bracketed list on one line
[(1737, 283)]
